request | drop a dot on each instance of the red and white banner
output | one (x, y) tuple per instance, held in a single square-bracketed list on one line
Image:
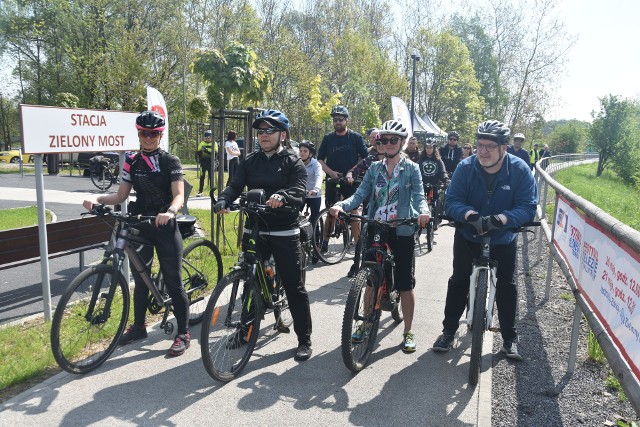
[(607, 273), (401, 112), (155, 102)]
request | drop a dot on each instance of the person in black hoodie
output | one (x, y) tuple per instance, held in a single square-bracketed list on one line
[(451, 154), (282, 175)]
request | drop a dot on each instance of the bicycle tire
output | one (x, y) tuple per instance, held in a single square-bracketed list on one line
[(430, 234), (362, 295), (338, 238), (80, 345), (418, 242), (477, 327), (201, 271), (102, 180), (223, 352)]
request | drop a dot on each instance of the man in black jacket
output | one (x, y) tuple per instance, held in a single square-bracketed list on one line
[(282, 176), (451, 154)]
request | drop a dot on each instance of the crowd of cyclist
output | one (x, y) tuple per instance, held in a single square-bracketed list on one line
[(485, 184)]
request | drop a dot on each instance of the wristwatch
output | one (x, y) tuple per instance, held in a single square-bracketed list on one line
[(173, 210)]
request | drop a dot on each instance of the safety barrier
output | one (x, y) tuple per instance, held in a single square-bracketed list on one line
[(577, 255)]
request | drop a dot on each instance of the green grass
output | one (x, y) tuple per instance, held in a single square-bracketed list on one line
[(566, 296), (20, 217), (594, 351), (607, 192), (28, 357)]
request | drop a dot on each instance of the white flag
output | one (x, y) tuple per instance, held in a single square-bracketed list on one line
[(401, 112), (155, 102)]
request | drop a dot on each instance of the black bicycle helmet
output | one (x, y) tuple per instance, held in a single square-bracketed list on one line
[(150, 120), (454, 134), (274, 117), (493, 130), (339, 110), (207, 133), (393, 127), (309, 146)]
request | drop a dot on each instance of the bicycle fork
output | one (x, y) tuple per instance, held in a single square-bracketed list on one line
[(491, 282)]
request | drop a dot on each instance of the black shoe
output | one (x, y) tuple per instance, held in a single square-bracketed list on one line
[(237, 340), (353, 271), (511, 350), (133, 333), (443, 343), (314, 260), (303, 353)]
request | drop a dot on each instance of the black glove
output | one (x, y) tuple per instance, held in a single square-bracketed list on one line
[(484, 223), (493, 222), (476, 221), (220, 206)]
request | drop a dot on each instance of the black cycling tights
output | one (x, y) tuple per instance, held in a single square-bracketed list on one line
[(168, 244)]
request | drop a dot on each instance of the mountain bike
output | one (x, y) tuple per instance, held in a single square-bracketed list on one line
[(332, 236), (92, 313), (104, 172), (242, 298), (436, 205), (372, 292), (482, 292)]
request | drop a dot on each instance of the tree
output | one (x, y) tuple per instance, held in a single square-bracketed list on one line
[(611, 130), (569, 137), (234, 76)]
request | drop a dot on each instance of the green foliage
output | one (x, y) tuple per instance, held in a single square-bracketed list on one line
[(568, 138), (614, 134), (199, 108), (66, 99), (608, 192), (594, 351), (235, 78)]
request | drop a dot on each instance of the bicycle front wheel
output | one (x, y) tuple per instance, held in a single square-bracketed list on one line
[(430, 234), (89, 319), (201, 271), (331, 237), (477, 327), (231, 325), (361, 320), (102, 179)]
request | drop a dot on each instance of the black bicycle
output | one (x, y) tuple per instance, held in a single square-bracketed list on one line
[(332, 236), (232, 318), (92, 313), (482, 292), (104, 172), (372, 292)]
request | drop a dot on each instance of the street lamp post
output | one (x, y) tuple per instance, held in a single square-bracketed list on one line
[(415, 56)]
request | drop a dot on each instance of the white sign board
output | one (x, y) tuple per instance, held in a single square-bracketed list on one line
[(607, 273), (72, 130)]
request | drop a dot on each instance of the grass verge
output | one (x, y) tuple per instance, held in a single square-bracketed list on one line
[(20, 217)]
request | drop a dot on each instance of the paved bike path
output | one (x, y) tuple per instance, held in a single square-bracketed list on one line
[(140, 385)]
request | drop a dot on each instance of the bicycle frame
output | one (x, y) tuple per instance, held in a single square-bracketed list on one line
[(483, 265)]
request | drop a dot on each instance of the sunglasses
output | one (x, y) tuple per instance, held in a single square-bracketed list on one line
[(338, 119), (466, 148), (149, 133), (268, 131), (489, 147), (452, 139), (385, 141)]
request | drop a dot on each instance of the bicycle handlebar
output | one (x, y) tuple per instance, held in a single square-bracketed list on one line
[(522, 228), (389, 223), (103, 210)]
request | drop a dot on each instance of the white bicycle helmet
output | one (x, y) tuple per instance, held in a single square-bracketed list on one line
[(393, 127)]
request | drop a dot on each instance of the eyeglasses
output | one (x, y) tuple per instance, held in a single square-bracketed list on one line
[(385, 141), (149, 133), (339, 119), (466, 148), (487, 147), (268, 131)]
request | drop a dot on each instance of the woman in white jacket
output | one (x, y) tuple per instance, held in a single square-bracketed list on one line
[(314, 181)]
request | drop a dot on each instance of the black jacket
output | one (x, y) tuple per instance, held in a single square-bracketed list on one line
[(282, 173), (450, 157)]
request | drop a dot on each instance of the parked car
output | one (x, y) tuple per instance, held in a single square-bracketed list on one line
[(13, 156)]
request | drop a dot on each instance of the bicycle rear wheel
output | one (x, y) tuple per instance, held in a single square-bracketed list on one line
[(230, 326), (361, 320), (477, 327), (201, 271), (83, 332), (102, 179), (331, 237)]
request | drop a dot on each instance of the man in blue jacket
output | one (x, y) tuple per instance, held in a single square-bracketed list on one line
[(491, 190)]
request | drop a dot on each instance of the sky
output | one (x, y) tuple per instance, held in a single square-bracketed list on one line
[(605, 59)]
